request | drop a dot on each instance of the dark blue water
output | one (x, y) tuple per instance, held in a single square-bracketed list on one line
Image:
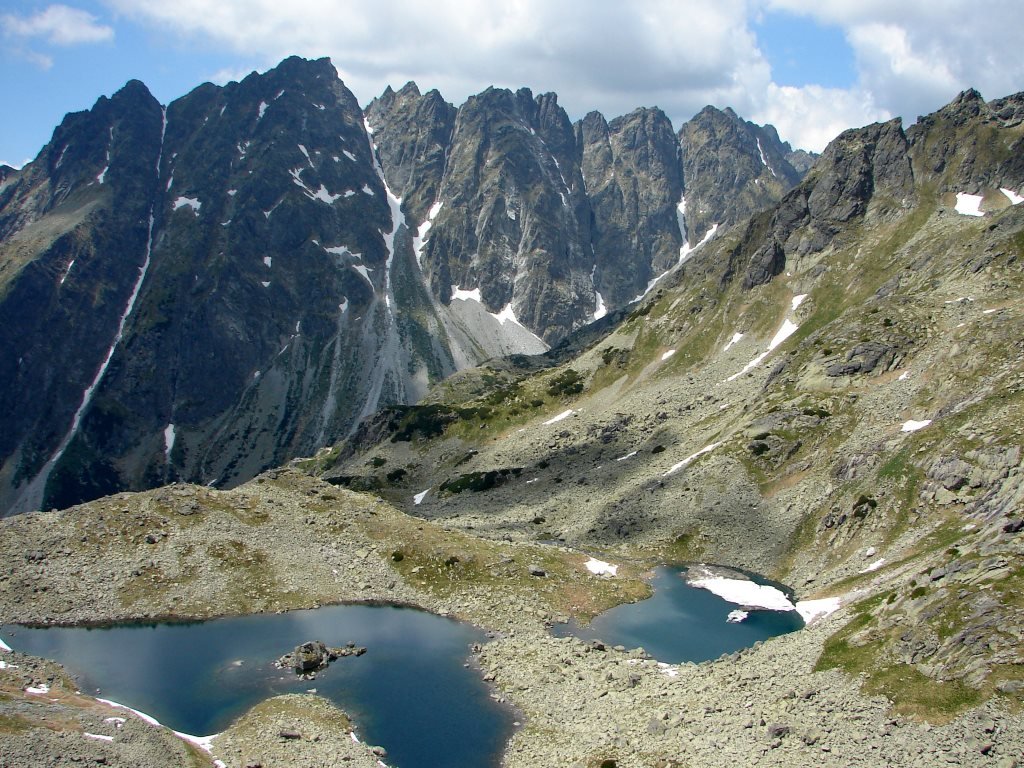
[(410, 693), (682, 623)]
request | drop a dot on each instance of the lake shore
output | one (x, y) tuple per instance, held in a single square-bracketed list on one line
[(279, 544)]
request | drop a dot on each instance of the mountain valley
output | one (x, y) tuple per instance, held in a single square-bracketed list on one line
[(518, 344)]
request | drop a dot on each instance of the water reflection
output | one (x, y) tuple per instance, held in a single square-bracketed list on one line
[(411, 693), (682, 623)]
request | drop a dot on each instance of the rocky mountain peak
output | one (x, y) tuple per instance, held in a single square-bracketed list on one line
[(295, 261), (732, 168), (413, 133), (953, 148)]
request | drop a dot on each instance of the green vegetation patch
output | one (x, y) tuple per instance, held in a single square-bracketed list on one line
[(911, 692), (480, 481)]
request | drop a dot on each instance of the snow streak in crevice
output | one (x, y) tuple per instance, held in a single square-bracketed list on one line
[(32, 497), (387, 362)]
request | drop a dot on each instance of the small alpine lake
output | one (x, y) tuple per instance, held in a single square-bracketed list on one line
[(681, 622), (413, 692)]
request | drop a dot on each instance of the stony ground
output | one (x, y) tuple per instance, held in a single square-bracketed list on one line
[(581, 705)]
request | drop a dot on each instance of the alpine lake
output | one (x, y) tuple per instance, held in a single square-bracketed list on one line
[(414, 692)]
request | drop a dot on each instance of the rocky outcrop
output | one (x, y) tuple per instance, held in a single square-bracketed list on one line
[(635, 185), (862, 168), (954, 148), (733, 168), (509, 223), (413, 135), (312, 656)]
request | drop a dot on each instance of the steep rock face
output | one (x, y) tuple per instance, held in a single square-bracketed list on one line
[(956, 148), (508, 225), (74, 232), (265, 324), (203, 291), (733, 168), (861, 168), (413, 134), (635, 184)]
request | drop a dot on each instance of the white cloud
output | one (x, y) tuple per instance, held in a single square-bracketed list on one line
[(911, 56), (812, 116), (58, 25)]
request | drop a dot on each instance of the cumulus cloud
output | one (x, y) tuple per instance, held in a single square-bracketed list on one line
[(812, 116), (914, 56), (911, 56), (58, 25)]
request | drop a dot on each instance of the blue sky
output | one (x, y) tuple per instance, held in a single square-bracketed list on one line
[(810, 67)]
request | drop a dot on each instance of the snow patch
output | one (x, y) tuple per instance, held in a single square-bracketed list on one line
[(681, 217), (203, 742), (764, 158), (788, 329), (507, 315), (305, 153), (742, 592), (904, 376), (419, 497), (601, 310), (4, 646), (735, 617), (66, 272), (601, 568), (232, 192), (798, 300), (913, 426), (349, 155), (38, 690), (103, 174), (97, 736), (364, 271), (668, 670), (262, 110), (629, 455), (421, 232), (968, 205), (812, 610), (734, 340), (191, 202), (691, 457), (1012, 196), (559, 417), (269, 261), (471, 295), (367, 190), (169, 435), (874, 566), (667, 355), (323, 195), (141, 715), (684, 252)]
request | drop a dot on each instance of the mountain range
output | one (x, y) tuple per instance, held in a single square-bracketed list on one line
[(501, 345), (205, 290)]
